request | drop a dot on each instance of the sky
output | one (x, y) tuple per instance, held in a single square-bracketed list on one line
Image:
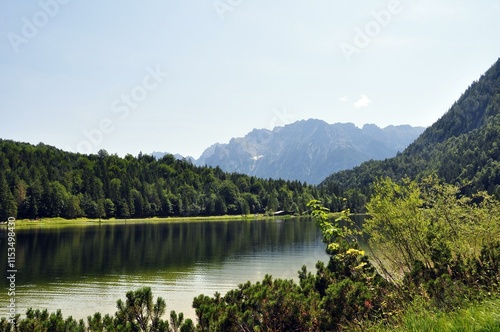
[(178, 76)]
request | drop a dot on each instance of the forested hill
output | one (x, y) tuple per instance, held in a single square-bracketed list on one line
[(462, 146), (42, 181)]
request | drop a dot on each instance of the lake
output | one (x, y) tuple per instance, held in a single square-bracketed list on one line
[(85, 269)]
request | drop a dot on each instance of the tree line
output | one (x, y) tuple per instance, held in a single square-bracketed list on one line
[(42, 181)]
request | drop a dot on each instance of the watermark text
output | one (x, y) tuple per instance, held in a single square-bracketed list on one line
[(372, 29), (11, 269), (121, 107), (222, 7), (31, 26)]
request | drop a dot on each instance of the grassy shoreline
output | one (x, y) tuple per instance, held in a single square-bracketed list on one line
[(60, 222)]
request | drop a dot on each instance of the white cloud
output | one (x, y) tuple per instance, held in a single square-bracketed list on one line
[(344, 98), (362, 102)]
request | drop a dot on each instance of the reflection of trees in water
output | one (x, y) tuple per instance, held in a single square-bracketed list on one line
[(116, 249)]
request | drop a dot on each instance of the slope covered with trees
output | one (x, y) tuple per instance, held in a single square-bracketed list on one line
[(462, 147), (42, 181)]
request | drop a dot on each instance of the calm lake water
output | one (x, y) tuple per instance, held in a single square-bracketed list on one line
[(82, 270)]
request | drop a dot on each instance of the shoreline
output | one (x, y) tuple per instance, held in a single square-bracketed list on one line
[(61, 222)]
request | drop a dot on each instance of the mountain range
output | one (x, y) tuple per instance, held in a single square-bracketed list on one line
[(307, 150)]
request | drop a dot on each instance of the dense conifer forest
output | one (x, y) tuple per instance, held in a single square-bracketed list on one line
[(42, 181)]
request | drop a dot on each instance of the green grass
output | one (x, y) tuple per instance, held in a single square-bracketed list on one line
[(61, 222), (476, 317), (479, 317)]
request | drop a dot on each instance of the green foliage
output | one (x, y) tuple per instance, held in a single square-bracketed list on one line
[(419, 316), (8, 206), (397, 226), (270, 305), (345, 290), (42, 321), (341, 229), (483, 317), (139, 313), (42, 181), (349, 286), (443, 243)]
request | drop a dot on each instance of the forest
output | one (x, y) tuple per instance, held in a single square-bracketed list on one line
[(42, 181)]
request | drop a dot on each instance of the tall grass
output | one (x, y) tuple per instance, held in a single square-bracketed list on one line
[(477, 317)]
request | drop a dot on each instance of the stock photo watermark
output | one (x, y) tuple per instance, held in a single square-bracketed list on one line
[(280, 117), (372, 29), (121, 107), (11, 270), (31, 26), (222, 7)]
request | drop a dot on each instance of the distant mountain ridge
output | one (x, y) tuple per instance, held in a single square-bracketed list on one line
[(158, 155), (307, 150)]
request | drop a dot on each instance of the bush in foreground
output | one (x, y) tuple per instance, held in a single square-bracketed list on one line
[(138, 313)]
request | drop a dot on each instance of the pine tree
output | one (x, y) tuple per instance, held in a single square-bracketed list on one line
[(8, 206)]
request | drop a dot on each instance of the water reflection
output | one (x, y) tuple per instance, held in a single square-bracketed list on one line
[(86, 269)]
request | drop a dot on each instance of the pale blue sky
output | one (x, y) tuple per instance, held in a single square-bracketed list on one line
[(178, 76)]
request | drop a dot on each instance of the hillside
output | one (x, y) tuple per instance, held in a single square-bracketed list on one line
[(43, 181), (307, 150), (461, 147)]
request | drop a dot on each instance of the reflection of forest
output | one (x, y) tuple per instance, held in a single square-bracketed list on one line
[(45, 254)]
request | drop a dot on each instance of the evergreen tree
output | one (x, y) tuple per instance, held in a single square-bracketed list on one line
[(47, 182), (8, 206)]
